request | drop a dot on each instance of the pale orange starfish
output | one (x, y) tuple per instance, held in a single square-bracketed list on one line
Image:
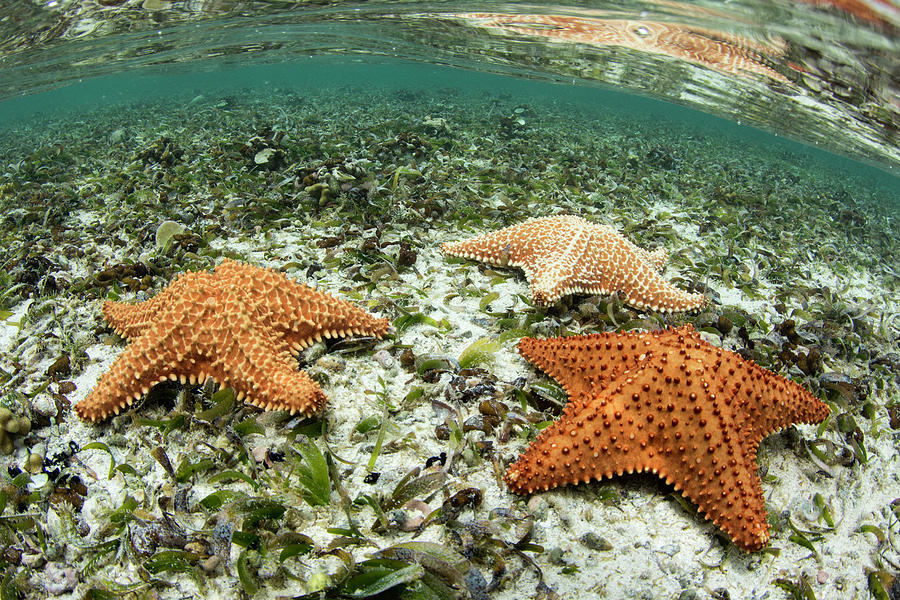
[(566, 255), (238, 324)]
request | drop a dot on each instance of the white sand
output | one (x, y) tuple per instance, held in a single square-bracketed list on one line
[(658, 549)]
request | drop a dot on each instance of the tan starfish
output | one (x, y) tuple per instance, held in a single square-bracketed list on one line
[(566, 255), (667, 403), (237, 324)]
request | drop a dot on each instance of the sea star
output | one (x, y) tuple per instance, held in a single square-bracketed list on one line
[(666, 403), (237, 324), (565, 254)]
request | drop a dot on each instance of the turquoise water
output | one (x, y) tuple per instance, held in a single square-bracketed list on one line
[(818, 72), (343, 144), (183, 84)]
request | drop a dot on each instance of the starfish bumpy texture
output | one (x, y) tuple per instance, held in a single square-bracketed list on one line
[(238, 324), (666, 403), (566, 255)]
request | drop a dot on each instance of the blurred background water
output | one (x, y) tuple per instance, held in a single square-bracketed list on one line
[(824, 72)]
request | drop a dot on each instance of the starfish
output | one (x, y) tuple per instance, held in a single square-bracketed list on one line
[(237, 324), (565, 254), (666, 403)]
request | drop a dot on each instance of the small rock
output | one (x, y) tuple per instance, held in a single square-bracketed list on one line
[(406, 255), (411, 523), (418, 505), (594, 542), (60, 368), (384, 358), (436, 124), (195, 547), (44, 405), (259, 453), (821, 577), (59, 579), (407, 358), (670, 549), (442, 432), (538, 507), (66, 387), (894, 415), (210, 564), (556, 556), (331, 363)]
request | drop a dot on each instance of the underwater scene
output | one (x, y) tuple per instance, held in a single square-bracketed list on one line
[(450, 300)]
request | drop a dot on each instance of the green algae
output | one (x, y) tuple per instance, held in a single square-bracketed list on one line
[(720, 215)]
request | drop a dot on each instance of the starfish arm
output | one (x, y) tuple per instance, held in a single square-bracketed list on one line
[(265, 377), (142, 365), (774, 402), (255, 359), (770, 401), (560, 359), (635, 428), (730, 495), (514, 246), (129, 320), (643, 287), (713, 464), (740, 510), (589, 445), (132, 320), (305, 315), (169, 348), (551, 272), (656, 260), (604, 234), (116, 389), (302, 314), (548, 283)]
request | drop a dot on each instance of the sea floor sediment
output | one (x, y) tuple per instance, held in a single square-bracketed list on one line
[(191, 492)]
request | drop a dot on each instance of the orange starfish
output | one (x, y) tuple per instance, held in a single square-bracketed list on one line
[(238, 324), (666, 403), (566, 255), (717, 50)]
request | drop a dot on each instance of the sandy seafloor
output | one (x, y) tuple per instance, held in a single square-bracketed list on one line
[(769, 230)]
